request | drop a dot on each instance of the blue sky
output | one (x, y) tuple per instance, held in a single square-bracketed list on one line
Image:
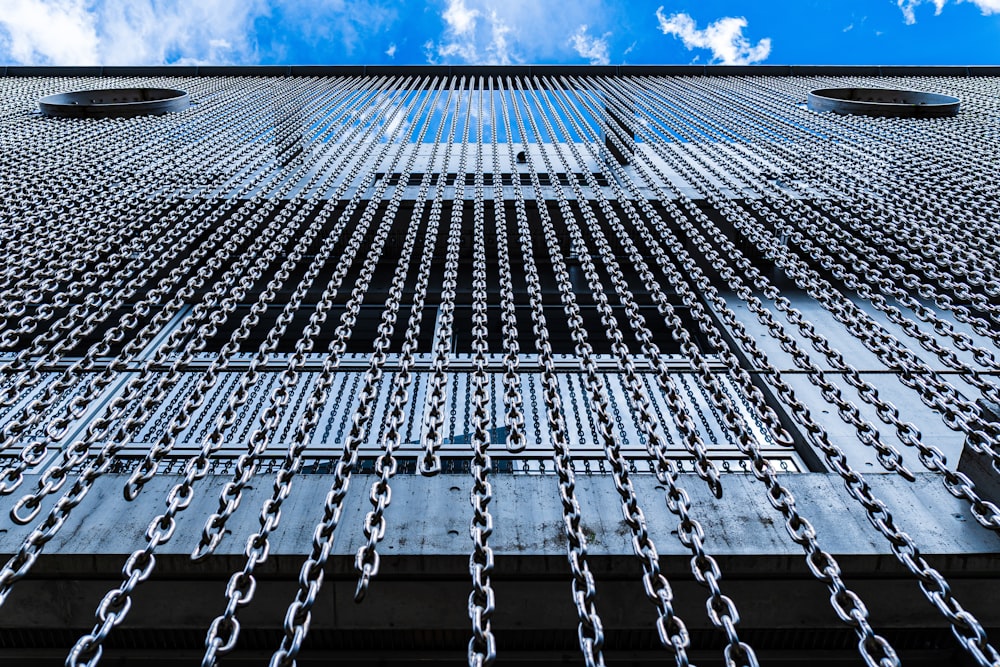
[(222, 32)]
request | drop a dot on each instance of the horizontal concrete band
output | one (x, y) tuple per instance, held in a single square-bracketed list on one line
[(427, 541), (507, 70), (429, 517)]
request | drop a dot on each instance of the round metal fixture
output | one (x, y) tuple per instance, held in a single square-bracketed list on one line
[(883, 102), (114, 103)]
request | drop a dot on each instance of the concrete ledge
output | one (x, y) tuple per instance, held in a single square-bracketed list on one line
[(429, 518), (421, 594)]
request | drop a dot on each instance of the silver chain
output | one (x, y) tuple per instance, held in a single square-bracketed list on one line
[(111, 308), (964, 625), (367, 558), (161, 528), (722, 611), (590, 629), (482, 603), (298, 614), (849, 607), (671, 629)]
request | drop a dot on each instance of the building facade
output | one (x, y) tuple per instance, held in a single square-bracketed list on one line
[(513, 365)]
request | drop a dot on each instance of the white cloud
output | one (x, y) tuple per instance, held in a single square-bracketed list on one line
[(336, 28), (490, 44), (153, 32), (723, 37), (498, 50), (594, 49), (464, 50), (128, 32), (987, 7), (468, 39), (509, 31), (460, 19), (36, 32), (907, 7)]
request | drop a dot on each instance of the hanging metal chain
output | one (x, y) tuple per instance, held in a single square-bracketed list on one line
[(987, 513), (238, 275), (839, 271), (964, 625), (874, 649), (357, 164), (957, 483), (671, 629), (887, 455), (965, 255), (63, 334), (298, 614), (590, 629), (30, 375), (112, 243), (237, 280), (88, 648), (36, 452), (91, 247), (970, 634), (246, 465), (154, 275), (224, 630), (691, 439), (242, 332), (162, 527), (74, 454), (512, 397), (482, 603), (367, 560), (722, 610), (885, 234), (115, 605), (956, 412), (433, 426), (88, 246)]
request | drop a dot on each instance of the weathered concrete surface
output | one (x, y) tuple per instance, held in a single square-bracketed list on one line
[(425, 555), (430, 517)]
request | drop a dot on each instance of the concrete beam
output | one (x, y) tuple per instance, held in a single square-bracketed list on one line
[(420, 597)]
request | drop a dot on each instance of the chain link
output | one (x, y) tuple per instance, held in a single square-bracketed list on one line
[(482, 603), (119, 314), (162, 528), (299, 613), (873, 648), (969, 632), (722, 611), (590, 628)]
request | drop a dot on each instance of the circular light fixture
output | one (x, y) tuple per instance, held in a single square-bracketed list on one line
[(883, 102), (114, 103)]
